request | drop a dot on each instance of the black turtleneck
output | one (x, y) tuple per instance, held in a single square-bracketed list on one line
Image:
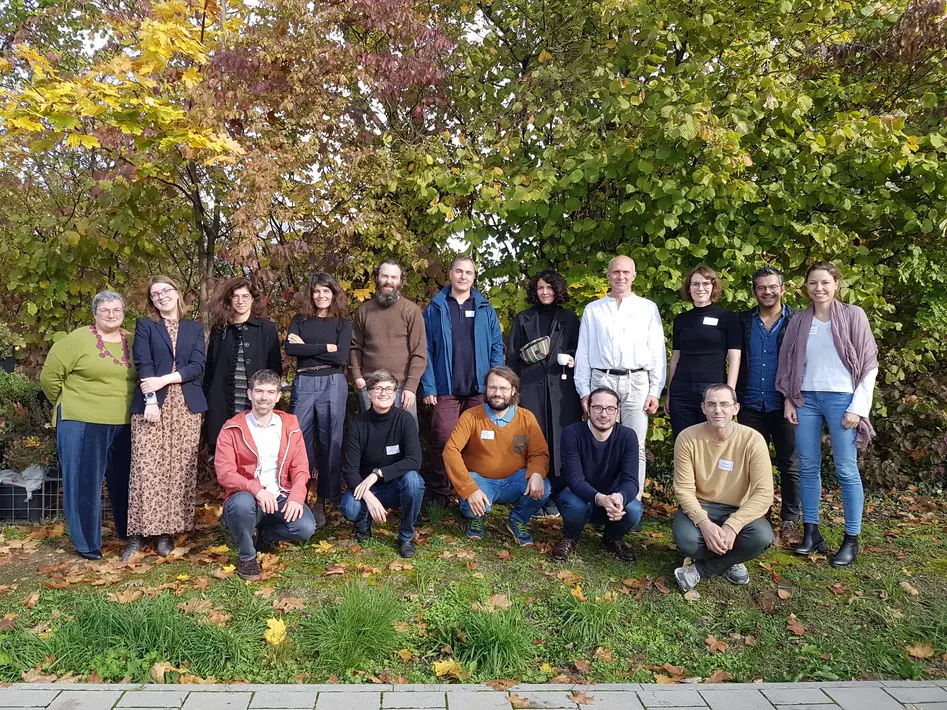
[(546, 314), (703, 335), (386, 441)]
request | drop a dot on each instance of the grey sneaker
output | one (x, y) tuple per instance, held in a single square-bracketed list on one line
[(737, 574), (687, 577)]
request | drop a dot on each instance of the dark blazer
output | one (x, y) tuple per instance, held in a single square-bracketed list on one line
[(746, 322), (553, 400), (153, 357), (261, 351)]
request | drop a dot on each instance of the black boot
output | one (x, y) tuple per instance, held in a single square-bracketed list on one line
[(811, 540), (847, 553), (319, 514), (134, 546)]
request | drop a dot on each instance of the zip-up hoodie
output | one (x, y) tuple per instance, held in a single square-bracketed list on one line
[(237, 460)]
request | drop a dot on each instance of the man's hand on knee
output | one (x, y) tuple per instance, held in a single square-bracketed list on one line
[(713, 537), (292, 512)]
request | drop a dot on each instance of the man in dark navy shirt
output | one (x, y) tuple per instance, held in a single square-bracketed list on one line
[(761, 406), (600, 461)]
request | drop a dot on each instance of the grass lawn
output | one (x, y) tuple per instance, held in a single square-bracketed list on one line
[(461, 611)]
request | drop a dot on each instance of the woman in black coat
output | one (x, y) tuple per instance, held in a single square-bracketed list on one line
[(241, 343), (547, 389)]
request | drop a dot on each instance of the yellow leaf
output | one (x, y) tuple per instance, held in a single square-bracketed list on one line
[(362, 294), (548, 669), (450, 213), (275, 634), (227, 569), (191, 78), (448, 667), (544, 56), (324, 546), (183, 577), (576, 592), (218, 550), (404, 654)]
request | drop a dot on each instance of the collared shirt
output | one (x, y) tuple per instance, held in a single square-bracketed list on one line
[(621, 337), (500, 421), (763, 357), (267, 439)]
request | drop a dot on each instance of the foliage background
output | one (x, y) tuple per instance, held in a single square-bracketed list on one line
[(202, 140)]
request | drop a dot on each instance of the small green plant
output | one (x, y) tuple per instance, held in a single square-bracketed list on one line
[(589, 621), (494, 645), (354, 633)]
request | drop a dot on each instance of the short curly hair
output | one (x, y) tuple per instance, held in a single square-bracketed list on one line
[(554, 279)]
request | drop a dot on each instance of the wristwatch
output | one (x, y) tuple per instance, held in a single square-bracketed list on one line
[(151, 398), (377, 472)]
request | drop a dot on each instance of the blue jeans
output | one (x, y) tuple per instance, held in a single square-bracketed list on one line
[(89, 454), (364, 403), (576, 514), (406, 492), (319, 404), (828, 407), (243, 515), (510, 490)]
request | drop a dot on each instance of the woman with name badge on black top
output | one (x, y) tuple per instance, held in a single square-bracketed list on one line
[(319, 338), (706, 349)]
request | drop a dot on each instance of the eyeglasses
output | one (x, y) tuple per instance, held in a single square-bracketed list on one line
[(378, 389), (107, 312), (702, 284), (242, 297), (502, 390), (719, 405), (599, 409), (770, 289), (163, 293)]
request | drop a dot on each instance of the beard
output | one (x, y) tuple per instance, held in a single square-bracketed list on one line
[(387, 298), (498, 403), (722, 424), (600, 428)]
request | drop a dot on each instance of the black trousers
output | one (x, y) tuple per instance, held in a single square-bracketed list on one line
[(684, 399), (749, 544), (776, 430)]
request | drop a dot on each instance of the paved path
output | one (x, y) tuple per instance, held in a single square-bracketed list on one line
[(870, 695)]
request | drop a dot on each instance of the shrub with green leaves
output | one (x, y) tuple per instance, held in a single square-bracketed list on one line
[(588, 622), (494, 645)]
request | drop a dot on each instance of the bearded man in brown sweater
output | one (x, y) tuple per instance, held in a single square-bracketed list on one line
[(388, 334)]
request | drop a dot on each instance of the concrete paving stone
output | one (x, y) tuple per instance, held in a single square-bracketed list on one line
[(796, 696), (342, 688), (463, 700), (437, 687), (16, 697), (283, 699), (737, 700), (356, 701), (85, 700), (413, 700), (847, 684), (150, 698), (534, 687), (927, 706), (599, 687), (218, 701), (863, 699), (538, 699), (807, 707), (933, 694), (907, 683), (674, 698), (611, 700)]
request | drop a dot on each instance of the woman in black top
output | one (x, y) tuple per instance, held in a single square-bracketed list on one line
[(706, 349), (241, 343), (547, 389), (319, 338)]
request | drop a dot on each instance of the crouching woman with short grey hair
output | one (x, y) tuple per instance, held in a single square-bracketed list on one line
[(90, 379)]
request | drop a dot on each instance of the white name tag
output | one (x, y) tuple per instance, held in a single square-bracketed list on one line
[(710, 321), (725, 465), (392, 450), (487, 434), (470, 314), (814, 330)]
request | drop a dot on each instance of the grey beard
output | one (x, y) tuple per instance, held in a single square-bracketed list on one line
[(387, 299)]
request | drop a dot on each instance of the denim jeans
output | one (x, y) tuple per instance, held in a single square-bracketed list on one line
[(576, 514), (406, 492), (828, 408), (364, 403), (632, 390), (684, 399), (89, 453), (755, 537), (774, 428), (511, 491), (318, 401), (243, 515)]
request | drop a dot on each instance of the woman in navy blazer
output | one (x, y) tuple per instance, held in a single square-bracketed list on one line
[(167, 411)]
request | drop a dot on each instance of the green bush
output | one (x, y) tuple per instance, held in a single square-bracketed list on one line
[(590, 622), (494, 645), (26, 434)]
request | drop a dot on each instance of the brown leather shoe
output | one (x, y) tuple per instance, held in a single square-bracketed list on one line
[(789, 533), (622, 552), (565, 547), (249, 570)]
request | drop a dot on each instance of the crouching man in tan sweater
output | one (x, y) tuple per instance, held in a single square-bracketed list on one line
[(723, 480)]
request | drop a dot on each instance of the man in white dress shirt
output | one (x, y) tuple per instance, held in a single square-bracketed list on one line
[(621, 346)]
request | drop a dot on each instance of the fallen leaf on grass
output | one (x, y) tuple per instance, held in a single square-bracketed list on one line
[(324, 547), (265, 592), (493, 604), (920, 650), (31, 600), (449, 667), (503, 554), (94, 677), (126, 597), (218, 550), (580, 698), (35, 675), (749, 640), (518, 701), (8, 621), (692, 596), (397, 566), (794, 625), (906, 586), (838, 588), (576, 592), (714, 645), (583, 667), (287, 604), (218, 618), (604, 654), (160, 668), (570, 577), (719, 677), (404, 654), (783, 593), (275, 634), (223, 572), (662, 679), (202, 583), (195, 605), (334, 568)]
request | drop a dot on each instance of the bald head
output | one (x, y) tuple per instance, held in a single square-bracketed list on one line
[(621, 274)]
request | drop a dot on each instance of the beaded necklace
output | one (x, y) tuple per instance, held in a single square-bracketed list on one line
[(104, 352)]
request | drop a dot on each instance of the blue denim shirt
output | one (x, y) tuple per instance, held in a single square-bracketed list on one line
[(761, 391), (507, 418)]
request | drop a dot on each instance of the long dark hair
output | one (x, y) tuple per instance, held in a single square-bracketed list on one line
[(340, 302), (552, 277), (220, 306)]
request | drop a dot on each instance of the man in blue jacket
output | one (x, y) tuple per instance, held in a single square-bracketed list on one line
[(464, 340)]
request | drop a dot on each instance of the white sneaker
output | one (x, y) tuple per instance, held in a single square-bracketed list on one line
[(687, 577), (737, 574)]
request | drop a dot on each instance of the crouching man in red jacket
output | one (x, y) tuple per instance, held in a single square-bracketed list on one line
[(261, 462)]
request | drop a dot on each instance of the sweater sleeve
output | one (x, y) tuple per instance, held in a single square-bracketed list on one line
[(410, 448), (537, 456), (303, 349), (417, 350), (627, 483), (734, 331), (344, 344), (457, 470), (352, 458), (759, 495), (59, 363), (572, 465), (685, 486), (358, 344)]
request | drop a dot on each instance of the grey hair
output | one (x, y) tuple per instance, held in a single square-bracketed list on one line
[(767, 271), (379, 376), (104, 297)]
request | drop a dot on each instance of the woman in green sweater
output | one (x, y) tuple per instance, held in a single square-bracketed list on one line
[(90, 379)]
